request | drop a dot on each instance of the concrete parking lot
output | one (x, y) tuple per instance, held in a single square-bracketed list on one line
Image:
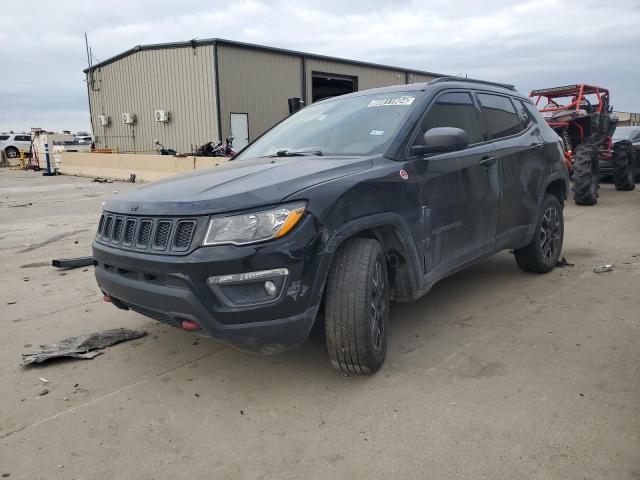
[(495, 374)]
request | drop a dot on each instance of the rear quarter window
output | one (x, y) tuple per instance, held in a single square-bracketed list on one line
[(500, 115), (3, 138)]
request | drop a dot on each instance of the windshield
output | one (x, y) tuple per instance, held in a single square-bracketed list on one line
[(350, 126), (622, 133)]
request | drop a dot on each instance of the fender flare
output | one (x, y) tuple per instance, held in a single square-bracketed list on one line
[(356, 226)]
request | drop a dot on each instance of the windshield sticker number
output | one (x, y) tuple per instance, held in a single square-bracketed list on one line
[(376, 132), (391, 101)]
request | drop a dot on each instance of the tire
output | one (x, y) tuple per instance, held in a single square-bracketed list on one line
[(585, 174), (542, 254), (357, 307), (622, 159), (12, 152)]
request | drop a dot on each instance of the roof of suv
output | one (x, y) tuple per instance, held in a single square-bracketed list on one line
[(455, 82)]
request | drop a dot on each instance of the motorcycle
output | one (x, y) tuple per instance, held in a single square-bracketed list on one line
[(164, 150), (219, 149)]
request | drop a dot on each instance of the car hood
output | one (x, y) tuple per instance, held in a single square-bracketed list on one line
[(234, 185)]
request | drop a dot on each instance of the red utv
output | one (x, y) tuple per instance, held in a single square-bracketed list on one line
[(581, 116)]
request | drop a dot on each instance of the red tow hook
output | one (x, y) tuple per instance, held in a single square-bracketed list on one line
[(189, 325), (106, 298)]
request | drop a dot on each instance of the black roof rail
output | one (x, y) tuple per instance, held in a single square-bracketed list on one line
[(471, 80)]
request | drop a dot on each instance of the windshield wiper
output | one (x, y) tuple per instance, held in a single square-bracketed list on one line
[(289, 153)]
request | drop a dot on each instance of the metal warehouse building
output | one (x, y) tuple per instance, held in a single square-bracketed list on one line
[(189, 93)]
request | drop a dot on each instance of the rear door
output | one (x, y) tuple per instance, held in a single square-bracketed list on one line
[(459, 191), (519, 146)]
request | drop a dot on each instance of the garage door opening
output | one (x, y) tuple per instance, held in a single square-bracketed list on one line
[(325, 85)]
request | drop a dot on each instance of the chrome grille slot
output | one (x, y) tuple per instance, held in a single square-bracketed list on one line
[(117, 230), (108, 224), (144, 233), (184, 233), (162, 233), (101, 224), (129, 231)]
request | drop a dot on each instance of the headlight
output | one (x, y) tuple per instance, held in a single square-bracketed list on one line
[(254, 226)]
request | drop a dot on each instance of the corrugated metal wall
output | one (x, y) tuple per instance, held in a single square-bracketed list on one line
[(258, 83), (419, 77), (368, 77), (180, 80)]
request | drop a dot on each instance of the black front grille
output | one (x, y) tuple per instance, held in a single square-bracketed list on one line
[(108, 224), (161, 237), (144, 233), (117, 230), (184, 233), (157, 235), (129, 231)]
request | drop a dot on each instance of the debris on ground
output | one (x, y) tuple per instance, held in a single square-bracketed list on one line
[(72, 262), (603, 268), (102, 180), (43, 392), (132, 178), (83, 346), (564, 263), (44, 380)]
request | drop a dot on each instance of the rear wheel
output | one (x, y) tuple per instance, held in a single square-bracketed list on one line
[(622, 160), (585, 174), (357, 307), (541, 255)]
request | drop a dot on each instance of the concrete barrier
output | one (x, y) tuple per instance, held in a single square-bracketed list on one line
[(147, 168)]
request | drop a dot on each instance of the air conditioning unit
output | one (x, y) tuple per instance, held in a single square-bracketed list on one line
[(163, 116), (104, 120), (129, 118)]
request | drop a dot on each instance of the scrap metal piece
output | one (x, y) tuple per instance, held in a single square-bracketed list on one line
[(72, 262), (603, 268), (83, 346)]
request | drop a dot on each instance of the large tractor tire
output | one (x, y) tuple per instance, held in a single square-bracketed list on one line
[(623, 166), (585, 174)]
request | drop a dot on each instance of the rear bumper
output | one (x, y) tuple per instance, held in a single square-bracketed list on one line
[(175, 288)]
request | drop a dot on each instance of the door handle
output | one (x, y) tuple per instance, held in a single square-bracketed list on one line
[(536, 146), (486, 162)]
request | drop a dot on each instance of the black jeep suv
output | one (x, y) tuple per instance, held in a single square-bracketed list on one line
[(350, 203)]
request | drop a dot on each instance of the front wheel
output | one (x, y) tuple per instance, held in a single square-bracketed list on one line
[(357, 307), (542, 254)]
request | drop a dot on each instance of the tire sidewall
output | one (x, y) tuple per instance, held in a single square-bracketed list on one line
[(12, 152), (549, 201)]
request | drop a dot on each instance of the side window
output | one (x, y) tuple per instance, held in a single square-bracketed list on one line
[(3, 138), (523, 112), (453, 109), (500, 115), (23, 138)]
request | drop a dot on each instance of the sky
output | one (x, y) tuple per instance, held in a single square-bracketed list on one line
[(531, 44)]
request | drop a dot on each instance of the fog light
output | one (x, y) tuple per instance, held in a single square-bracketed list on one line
[(270, 288)]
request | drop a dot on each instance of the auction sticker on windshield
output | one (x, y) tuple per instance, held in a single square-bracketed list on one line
[(384, 102)]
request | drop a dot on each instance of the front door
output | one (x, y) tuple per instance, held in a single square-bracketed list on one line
[(240, 130), (459, 190)]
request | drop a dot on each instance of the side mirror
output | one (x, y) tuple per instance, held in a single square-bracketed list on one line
[(442, 140)]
